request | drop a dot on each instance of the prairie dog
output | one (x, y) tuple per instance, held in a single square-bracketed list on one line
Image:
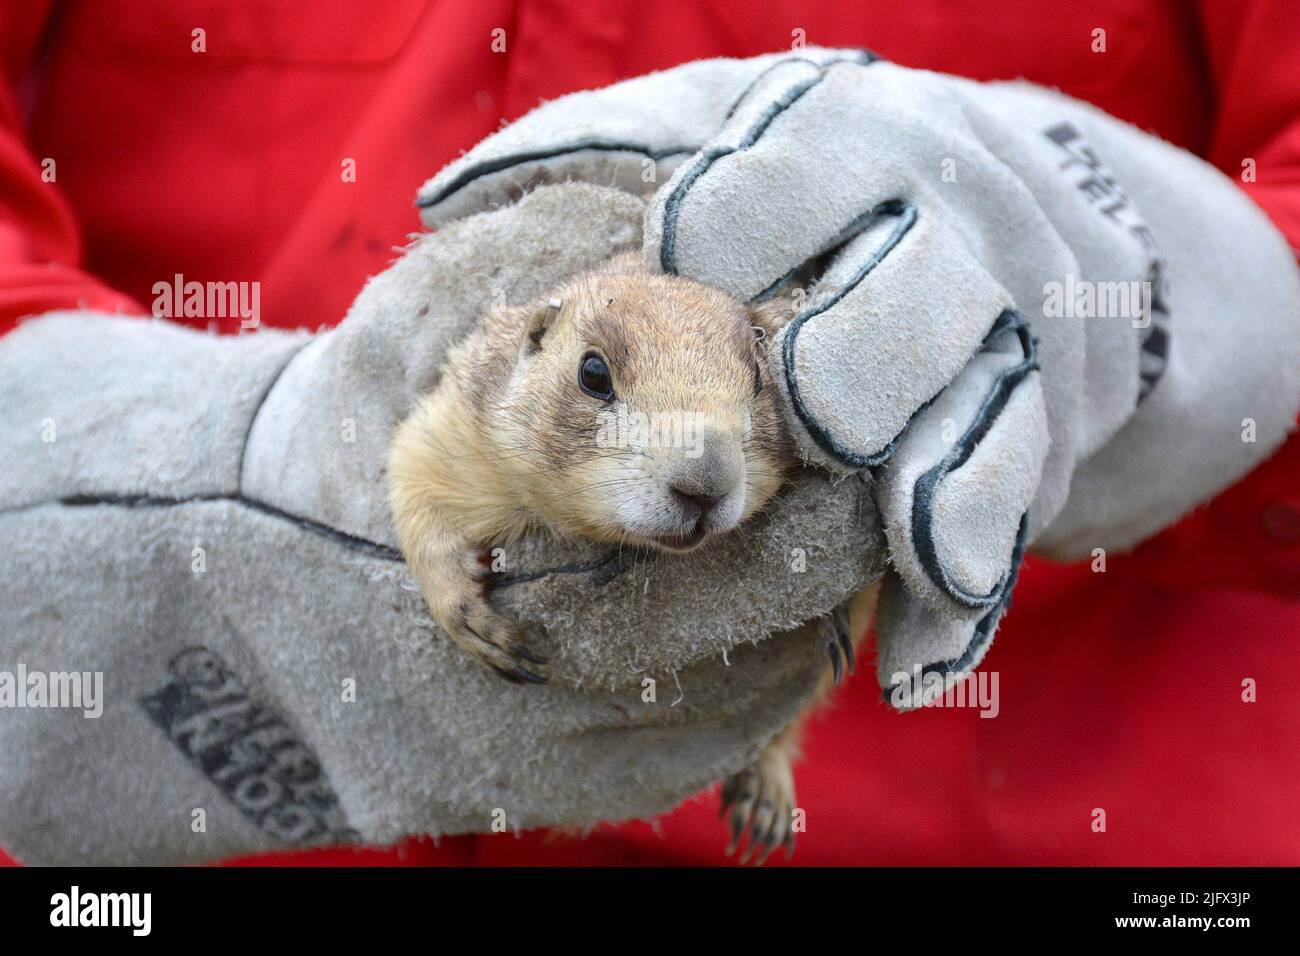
[(523, 431)]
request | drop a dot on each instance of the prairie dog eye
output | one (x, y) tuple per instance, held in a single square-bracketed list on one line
[(594, 377)]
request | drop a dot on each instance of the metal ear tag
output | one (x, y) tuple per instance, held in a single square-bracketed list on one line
[(541, 321)]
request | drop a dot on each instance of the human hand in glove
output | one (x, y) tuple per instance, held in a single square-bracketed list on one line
[(1025, 322)]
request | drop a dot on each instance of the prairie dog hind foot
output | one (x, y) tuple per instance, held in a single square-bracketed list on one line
[(758, 803)]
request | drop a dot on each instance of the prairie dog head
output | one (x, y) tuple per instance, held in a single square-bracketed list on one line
[(640, 411)]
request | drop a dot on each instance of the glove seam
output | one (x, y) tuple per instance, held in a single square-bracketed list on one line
[(924, 488), (350, 541), (867, 58), (672, 206), (907, 214), (489, 166), (985, 628), (611, 565), (257, 410)]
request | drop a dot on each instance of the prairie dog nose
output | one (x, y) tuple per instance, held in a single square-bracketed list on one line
[(695, 506), (699, 484)]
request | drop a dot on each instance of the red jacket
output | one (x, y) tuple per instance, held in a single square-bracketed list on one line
[(1120, 690)]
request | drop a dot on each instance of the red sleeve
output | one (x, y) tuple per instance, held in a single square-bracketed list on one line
[(1254, 60), (40, 245)]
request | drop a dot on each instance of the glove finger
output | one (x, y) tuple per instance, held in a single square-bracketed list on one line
[(955, 494), (906, 298), (920, 655), (894, 319), (754, 203), (631, 135)]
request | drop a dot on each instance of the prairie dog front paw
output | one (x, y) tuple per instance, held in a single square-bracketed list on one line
[(455, 584), (497, 641)]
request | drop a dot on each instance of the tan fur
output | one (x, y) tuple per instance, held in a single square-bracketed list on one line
[(507, 443)]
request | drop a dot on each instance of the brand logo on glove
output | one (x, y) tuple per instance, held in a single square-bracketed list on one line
[(247, 750), (1099, 186)]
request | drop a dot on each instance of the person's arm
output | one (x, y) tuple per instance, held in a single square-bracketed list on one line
[(1254, 61), (40, 244)]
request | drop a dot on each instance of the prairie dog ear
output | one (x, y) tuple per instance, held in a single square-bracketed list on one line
[(538, 324), (769, 318)]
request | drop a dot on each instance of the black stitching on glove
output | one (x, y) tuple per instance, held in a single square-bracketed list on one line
[(672, 207), (489, 166), (605, 568), (864, 57), (351, 541), (986, 626), (927, 484), (907, 215)]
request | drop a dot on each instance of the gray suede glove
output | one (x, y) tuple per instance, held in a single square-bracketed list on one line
[(195, 527), (1024, 322)]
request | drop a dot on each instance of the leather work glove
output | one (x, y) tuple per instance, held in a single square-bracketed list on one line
[(194, 533), (1025, 323)]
